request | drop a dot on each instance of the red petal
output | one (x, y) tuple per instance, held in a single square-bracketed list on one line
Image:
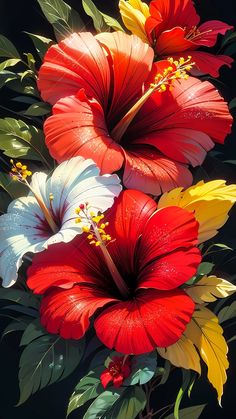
[(152, 319), (190, 104), (171, 13), (172, 41), (76, 62), (78, 127), (153, 173), (106, 378), (67, 312), (181, 144), (209, 32), (118, 381), (209, 63), (131, 62), (167, 256), (128, 217), (65, 264)]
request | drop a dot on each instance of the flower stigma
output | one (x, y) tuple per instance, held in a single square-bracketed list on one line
[(95, 227), (20, 172), (175, 71)]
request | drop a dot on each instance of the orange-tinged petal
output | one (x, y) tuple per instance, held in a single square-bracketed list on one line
[(76, 62)]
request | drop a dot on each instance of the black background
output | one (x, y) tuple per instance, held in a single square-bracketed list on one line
[(17, 16)]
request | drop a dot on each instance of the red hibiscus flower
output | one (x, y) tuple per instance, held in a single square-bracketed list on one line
[(173, 29), (96, 85), (134, 290), (118, 370)]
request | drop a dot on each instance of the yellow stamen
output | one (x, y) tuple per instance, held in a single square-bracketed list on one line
[(97, 236), (161, 82), (20, 173)]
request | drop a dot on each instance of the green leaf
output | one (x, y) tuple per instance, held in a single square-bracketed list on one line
[(63, 18), (232, 104), (41, 43), (26, 86), (102, 404), (9, 63), (17, 325), (18, 139), (227, 313), (203, 269), (6, 76), (230, 161), (38, 109), (111, 22), (46, 360), (193, 412), (7, 48), (101, 21), (33, 331), (185, 384), (12, 188), (228, 38), (129, 405), (88, 388), (143, 369), (24, 298), (166, 373), (92, 11)]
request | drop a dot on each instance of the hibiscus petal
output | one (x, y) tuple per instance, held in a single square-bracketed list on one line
[(128, 217), (76, 62), (209, 32), (180, 144), (152, 319), (83, 132), (209, 63), (25, 227), (191, 103), (153, 173), (131, 62), (67, 312), (64, 265), (173, 13), (166, 255), (173, 41)]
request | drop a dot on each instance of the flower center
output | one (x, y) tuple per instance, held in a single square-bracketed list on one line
[(176, 70), (97, 236), (20, 172), (193, 33)]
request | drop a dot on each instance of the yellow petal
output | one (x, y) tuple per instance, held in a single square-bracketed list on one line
[(209, 288), (206, 334), (134, 14), (210, 201), (182, 354)]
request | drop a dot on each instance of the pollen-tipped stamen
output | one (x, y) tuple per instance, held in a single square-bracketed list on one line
[(97, 236), (20, 172), (176, 70)]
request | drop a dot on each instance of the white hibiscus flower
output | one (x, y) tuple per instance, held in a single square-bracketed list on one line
[(48, 214)]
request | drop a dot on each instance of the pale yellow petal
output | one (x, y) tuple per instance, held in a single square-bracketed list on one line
[(134, 14), (182, 354), (209, 288), (210, 202), (206, 334)]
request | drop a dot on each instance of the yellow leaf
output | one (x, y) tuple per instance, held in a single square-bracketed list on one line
[(206, 334), (134, 14), (209, 288), (210, 202), (182, 354)]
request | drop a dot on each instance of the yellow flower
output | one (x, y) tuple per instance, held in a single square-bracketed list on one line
[(210, 201), (134, 14)]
